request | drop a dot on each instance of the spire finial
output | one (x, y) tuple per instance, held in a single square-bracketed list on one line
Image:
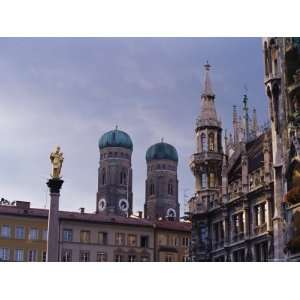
[(207, 82), (245, 89), (207, 66)]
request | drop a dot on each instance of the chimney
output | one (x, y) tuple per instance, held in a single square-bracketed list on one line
[(23, 204), (82, 210)]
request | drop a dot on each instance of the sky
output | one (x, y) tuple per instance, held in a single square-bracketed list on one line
[(70, 91)]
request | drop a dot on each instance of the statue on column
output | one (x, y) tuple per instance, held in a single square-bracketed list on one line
[(57, 159)]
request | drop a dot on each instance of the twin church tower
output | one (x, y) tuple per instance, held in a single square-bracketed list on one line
[(115, 178)]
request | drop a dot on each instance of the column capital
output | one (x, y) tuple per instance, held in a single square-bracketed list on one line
[(55, 185)]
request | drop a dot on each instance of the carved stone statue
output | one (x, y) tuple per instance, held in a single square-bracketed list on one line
[(57, 159)]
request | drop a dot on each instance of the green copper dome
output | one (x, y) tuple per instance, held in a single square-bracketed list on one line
[(115, 138), (161, 151)]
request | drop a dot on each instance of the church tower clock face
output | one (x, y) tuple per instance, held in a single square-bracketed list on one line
[(171, 213), (123, 204), (102, 204)]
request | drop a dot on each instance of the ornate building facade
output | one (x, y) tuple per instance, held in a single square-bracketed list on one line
[(282, 84), (232, 209)]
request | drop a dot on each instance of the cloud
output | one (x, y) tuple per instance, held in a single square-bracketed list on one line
[(71, 91)]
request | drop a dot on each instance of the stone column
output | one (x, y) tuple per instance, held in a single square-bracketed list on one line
[(53, 220)]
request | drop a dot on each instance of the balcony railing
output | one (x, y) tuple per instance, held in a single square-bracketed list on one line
[(260, 229)]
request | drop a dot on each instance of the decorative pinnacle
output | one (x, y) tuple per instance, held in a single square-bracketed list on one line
[(162, 139), (207, 66)]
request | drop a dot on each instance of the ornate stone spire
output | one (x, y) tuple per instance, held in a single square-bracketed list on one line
[(235, 125), (208, 114), (245, 119), (254, 122), (207, 82)]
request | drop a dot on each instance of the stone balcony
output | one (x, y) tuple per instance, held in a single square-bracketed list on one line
[(204, 156), (260, 229)]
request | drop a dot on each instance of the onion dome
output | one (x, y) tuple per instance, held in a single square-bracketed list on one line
[(161, 150), (115, 138)]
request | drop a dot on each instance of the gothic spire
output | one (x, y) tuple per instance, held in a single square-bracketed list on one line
[(207, 82), (245, 119), (235, 125), (254, 122), (208, 112)]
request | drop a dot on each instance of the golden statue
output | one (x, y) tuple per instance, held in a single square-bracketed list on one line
[(57, 159)]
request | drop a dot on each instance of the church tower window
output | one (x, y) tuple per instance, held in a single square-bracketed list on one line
[(211, 142), (103, 176), (212, 181), (123, 177), (204, 180), (170, 188), (152, 190), (203, 142)]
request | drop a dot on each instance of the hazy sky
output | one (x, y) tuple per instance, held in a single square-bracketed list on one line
[(68, 92)]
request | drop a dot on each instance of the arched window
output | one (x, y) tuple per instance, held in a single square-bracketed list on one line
[(211, 142), (204, 180), (212, 180), (151, 189), (103, 179), (203, 142), (170, 188), (123, 177)]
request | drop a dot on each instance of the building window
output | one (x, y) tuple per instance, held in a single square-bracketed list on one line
[(162, 240), (68, 235), (33, 234), (85, 236), (185, 258), (132, 240), (204, 180), (144, 241), (101, 257), (45, 233), (170, 188), (185, 241), (84, 256), (239, 255), (211, 142), (103, 179), (175, 241), (203, 142), (19, 255), (44, 256), (212, 182), (118, 258), (4, 254), (102, 238), (5, 231), (20, 232), (261, 251), (66, 255), (131, 258), (168, 258), (152, 191), (123, 177), (120, 239), (32, 255)]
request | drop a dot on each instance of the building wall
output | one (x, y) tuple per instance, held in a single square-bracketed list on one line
[(26, 244), (111, 247), (172, 246)]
